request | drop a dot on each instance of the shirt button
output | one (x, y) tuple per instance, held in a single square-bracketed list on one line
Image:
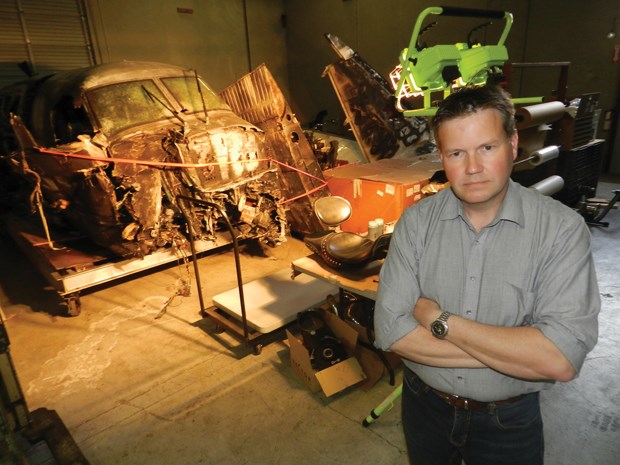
[(472, 278), (460, 378), (468, 312)]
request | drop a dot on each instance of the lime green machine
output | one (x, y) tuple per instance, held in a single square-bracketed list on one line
[(441, 68)]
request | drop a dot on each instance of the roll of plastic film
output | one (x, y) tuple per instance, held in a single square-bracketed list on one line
[(542, 113), (544, 155), (549, 186)]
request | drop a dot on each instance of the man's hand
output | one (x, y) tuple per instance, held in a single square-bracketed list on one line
[(426, 311), (422, 347)]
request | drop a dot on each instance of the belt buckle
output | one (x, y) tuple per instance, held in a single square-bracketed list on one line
[(458, 400)]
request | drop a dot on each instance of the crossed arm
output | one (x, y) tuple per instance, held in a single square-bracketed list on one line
[(521, 352)]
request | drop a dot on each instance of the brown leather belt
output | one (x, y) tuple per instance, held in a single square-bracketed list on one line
[(464, 402), (470, 404)]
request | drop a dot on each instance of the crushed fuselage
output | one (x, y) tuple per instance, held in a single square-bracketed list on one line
[(122, 141)]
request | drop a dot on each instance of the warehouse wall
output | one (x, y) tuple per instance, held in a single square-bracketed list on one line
[(576, 31), (222, 39)]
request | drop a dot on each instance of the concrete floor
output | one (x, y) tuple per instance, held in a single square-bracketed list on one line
[(137, 387)]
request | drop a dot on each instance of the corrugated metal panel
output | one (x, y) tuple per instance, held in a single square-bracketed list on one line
[(12, 46), (256, 97), (51, 34)]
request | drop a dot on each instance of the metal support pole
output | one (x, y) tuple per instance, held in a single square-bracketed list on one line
[(205, 203)]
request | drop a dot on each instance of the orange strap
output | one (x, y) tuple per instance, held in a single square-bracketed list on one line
[(166, 164)]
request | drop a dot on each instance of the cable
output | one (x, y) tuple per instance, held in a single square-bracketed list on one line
[(167, 164)]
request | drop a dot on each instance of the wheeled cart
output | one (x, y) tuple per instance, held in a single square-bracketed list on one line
[(72, 264), (275, 299)]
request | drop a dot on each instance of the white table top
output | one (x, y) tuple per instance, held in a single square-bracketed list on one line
[(273, 301)]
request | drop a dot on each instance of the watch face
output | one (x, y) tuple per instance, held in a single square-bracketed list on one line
[(439, 328)]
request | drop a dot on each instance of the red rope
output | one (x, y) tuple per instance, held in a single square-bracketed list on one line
[(166, 164)]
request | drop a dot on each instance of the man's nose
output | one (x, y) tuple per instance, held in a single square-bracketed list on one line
[(473, 164)]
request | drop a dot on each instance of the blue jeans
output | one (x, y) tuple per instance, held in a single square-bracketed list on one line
[(439, 434)]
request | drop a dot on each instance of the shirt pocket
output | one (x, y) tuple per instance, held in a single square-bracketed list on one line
[(516, 306)]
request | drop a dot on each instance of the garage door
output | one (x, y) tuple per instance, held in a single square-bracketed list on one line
[(51, 35)]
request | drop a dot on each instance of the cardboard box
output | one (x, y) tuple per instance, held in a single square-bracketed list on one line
[(381, 189), (373, 365), (337, 377)]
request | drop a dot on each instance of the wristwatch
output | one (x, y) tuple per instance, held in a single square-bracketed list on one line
[(439, 327)]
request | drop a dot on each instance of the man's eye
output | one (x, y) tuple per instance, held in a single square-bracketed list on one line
[(454, 154)]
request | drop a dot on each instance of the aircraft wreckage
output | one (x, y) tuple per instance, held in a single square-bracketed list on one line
[(109, 150)]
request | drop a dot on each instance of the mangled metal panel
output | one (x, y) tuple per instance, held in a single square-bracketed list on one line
[(257, 98), (368, 103), (111, 147)]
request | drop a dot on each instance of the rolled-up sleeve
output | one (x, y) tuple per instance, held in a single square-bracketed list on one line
[(568, 300), (399, 288)]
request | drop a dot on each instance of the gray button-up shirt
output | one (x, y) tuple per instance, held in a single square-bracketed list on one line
[(532, 266)]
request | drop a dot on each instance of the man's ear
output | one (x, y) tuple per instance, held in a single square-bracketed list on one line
[(514, 143)]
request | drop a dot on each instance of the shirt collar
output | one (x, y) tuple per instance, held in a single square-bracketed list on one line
[(512, 206), (511, 209)]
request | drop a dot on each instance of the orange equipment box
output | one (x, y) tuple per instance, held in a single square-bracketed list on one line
[(381, 189)]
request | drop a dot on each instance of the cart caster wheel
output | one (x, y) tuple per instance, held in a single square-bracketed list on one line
[(258, 349), (74, 305)]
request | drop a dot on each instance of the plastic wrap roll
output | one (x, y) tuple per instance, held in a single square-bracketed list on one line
[(544, 155), (535, 115), (549, 186)]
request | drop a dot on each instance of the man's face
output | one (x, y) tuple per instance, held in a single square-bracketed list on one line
[(477, 157)]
